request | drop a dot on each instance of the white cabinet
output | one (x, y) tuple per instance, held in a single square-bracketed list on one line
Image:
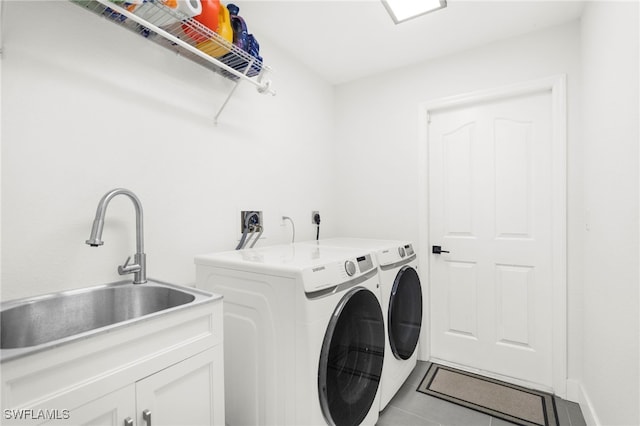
[(110, 410), (171, 366), (182, 394)]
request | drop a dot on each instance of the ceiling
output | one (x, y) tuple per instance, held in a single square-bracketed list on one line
[(344, 40)]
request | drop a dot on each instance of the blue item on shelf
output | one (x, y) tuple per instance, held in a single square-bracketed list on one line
[(254, 50), (245, 41), (112, 14), (239, 27)]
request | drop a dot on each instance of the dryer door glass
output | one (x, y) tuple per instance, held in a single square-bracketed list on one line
[(351, 359), (405, 313)]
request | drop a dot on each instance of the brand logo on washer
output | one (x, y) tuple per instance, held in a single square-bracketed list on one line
[(318, 269)]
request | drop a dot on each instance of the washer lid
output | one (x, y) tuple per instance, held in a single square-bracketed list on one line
[(315, 267), (387, 252)]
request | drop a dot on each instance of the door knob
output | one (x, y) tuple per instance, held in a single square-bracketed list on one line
[(437, 250)]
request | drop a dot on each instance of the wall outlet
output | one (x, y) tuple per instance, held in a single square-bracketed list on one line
[(313, 216), (255, 219)]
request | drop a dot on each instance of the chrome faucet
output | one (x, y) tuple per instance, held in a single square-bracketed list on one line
[(139, 266)]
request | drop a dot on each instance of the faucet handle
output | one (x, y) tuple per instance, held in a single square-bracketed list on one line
[(128, 269)]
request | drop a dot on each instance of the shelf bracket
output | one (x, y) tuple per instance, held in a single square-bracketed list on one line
[(233, 89), (224, 104)]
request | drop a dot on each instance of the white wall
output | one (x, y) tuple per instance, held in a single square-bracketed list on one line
[(88, 106), (610, 55), (378, 130)]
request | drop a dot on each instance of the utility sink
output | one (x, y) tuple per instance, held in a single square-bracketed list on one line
[(33, 324)]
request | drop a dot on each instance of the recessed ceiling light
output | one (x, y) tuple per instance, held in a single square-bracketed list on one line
[(403, 10)]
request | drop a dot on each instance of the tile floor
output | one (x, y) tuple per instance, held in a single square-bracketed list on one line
[(412, 408)]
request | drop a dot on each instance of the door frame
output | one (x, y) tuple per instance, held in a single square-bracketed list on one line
[(557, 86)]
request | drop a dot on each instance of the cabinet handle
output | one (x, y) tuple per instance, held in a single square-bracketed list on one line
[(146, 415), (128, 421)]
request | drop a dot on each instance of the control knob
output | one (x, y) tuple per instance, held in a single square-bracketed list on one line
[(350, 267), (401, 251)]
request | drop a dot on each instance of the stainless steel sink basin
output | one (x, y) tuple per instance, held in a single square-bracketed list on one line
[(56, 318)]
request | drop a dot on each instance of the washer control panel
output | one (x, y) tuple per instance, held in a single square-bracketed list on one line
[(365, 263), (331, 273), (395, 254), (409, 249)]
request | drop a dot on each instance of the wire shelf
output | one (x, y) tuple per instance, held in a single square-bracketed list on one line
[(177, 32)]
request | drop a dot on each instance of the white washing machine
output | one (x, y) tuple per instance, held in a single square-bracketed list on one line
[(401, 295), (303, 334)]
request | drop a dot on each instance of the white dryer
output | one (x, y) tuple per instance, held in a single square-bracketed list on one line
[(303, 334), (402, 302)]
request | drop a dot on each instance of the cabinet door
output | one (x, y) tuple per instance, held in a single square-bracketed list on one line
[(187, 393), (110, 410)]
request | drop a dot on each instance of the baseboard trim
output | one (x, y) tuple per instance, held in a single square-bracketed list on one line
[(577, 393)]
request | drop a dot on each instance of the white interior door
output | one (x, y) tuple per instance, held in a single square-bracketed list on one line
[(490, 206)]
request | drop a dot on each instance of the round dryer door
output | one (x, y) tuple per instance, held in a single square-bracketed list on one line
[(405, 313), (351, 358)]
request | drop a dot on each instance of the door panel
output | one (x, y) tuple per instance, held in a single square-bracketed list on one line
[(462, 298), (515, 316), (458, 185), (490, 207), (513, 178)]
